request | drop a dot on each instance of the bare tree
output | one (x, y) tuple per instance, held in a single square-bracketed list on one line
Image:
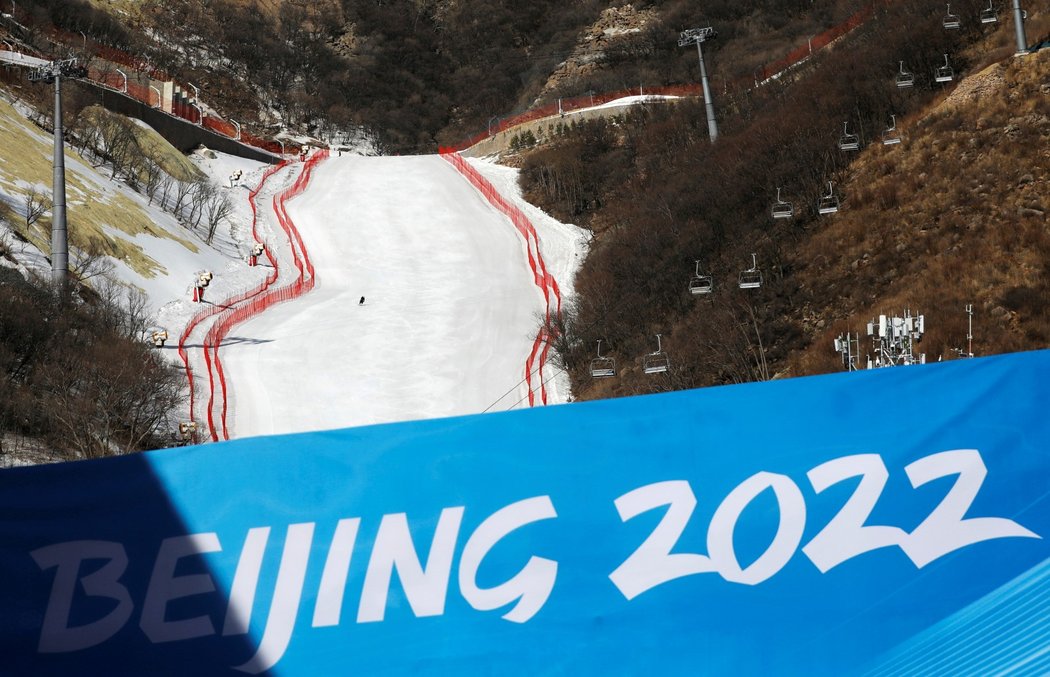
[(181, 193), (109, 398), (122, 147), (164, 190), (90, 261), (37, 204), (89, 138), (123, 309), (199, 198), (152, 177), (78, 375), (218, 208)]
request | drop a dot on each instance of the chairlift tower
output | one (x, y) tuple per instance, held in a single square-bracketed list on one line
[(54, 72), (698, 35), (847, 346), (1019, 17), (894, 338)]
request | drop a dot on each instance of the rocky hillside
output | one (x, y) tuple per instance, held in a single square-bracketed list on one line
[(422, 72), (955, 215)]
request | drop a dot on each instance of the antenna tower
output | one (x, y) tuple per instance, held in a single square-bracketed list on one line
[(893, 340)]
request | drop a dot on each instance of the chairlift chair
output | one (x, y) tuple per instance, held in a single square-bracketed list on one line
[(701, 284), (848, 141), (943, 73), (828, 204), (951, 21), (904, 78), (656, 362), (990, 15), (752, 277), (782, 209), (891, 136), (602, 367)]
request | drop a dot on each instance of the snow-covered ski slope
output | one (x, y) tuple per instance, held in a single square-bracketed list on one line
[(451, 308)]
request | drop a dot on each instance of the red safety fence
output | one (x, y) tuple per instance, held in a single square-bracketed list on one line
[(561, 106), (236, 298), (151, 96), (250, 301), (121, 72), (577, 103), (542, 278), (245, 308), (815, 43)]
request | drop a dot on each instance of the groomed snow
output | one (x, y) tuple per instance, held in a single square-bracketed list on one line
[(452, 308), (450, 314)]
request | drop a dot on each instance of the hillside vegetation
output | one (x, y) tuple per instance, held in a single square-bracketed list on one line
[(953, 215), (97, 210), (959, 217), (77, 378), (416, 73)]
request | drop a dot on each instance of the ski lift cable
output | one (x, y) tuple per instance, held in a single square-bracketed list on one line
[(543, 383)]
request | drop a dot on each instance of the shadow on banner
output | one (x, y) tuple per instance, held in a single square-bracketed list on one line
[(100, 576)]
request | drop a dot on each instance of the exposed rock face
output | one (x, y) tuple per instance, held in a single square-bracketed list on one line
[(617, 28)]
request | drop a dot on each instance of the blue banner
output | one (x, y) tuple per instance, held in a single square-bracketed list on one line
[(884, 522)]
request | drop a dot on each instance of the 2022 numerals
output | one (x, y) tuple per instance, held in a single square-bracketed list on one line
[(845, 536)]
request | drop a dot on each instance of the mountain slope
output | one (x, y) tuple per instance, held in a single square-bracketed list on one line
[(956, 215), (449, 305)]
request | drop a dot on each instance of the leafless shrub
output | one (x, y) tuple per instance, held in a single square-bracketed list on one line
[(90, 261), (36, 205), (203, 191), (218, 207), (152, 178)]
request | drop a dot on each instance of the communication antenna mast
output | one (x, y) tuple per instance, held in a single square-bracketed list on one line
[(894, 338), (969, 329), (969, 333), (698, 35), (844, 346), (48, 73)]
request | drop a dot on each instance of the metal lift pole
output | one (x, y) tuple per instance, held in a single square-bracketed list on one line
[(59, 235), (709, 105), (1022, 42), (698, 35), (55, 71)]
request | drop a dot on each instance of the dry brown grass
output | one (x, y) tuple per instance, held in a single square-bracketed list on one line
[(93, 211), (956, 214)]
